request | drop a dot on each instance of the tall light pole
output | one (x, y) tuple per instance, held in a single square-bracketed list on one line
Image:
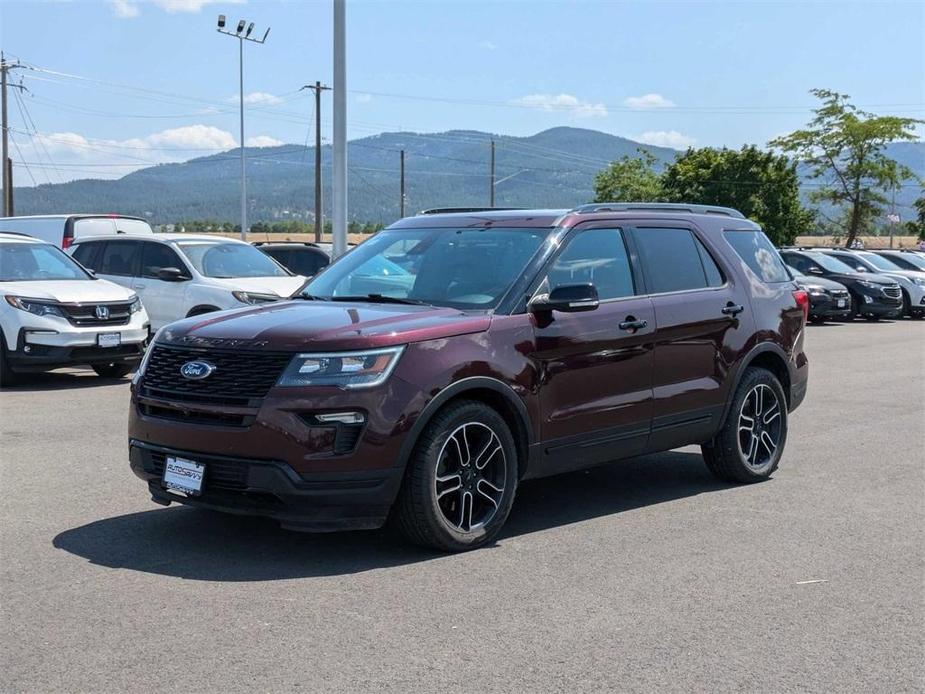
[(339, 178), (242, 37)]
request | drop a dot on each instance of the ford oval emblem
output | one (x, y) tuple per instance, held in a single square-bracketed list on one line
[(197, 370)]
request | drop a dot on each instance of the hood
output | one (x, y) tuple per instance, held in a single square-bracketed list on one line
[(903, 274), (300, 326), (68, 291), (281, 286), (812, 281), (861, 277)]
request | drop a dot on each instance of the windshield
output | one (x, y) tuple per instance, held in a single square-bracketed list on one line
[(27, 262), (880, 262), (221, 259), (832, 264), (913, 259), (458, 268)]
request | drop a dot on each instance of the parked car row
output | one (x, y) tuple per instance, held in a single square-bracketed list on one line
[(844, 283), (127, 283)]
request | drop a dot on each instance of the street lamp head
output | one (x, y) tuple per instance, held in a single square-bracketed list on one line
[(250, 28), (221, 21), (240, 27)]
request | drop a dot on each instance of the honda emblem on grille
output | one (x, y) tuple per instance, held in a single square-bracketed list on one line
[(102, 312), (197, 370)]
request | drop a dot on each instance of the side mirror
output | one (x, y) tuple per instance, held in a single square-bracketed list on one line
[(567, 298), (171, 274), (814, 271)]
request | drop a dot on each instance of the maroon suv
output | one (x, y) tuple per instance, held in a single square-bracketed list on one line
[(427, 372)]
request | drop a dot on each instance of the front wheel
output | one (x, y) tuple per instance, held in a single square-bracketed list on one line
[(113, 370), (7, 375), (461, 478), (749, 446)]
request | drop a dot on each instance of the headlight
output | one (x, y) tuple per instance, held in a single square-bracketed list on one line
[(35, 306), (868, 285), (135, 306), (252, 298), (140, 371), (342, 369), (918, 281)]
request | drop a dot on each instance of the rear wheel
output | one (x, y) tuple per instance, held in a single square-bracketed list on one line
[(116, 369), (461, 478), (749, 446)]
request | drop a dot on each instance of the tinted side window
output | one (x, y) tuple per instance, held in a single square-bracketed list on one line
[(88, 255), (674, 260), (850, 261), (596, 256), (158, 256), (714, 275), (759, 254), (119, 258)]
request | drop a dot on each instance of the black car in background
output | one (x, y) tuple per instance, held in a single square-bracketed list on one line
[(827, 299), (305, 259), (873, 296)]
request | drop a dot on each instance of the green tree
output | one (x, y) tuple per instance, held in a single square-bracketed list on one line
[(630, 179), (916, 226), (761, 185), (843, 147)]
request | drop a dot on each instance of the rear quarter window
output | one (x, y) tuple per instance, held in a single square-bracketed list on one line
[(757, 251)]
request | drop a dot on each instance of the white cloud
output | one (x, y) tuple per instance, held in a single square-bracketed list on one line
[(647, 102), (263, 141), (126, 9), (73, 155), (563, 102), (666, 138), (364, 98), (258, 99)]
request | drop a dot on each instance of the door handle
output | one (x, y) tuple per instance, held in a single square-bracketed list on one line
[(732, 309), (139, 286), (632, 325)]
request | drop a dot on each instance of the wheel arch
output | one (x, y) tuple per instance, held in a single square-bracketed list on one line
[(766, 355), (490, 391)]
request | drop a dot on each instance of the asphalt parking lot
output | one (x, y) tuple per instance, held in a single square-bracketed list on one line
[(643, 575)]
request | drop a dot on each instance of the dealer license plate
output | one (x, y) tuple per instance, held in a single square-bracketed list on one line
[(184, 475), (109, 339), (841, 303)]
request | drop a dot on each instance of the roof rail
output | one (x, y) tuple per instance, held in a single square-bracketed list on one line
[(449, 210), (658, 207)]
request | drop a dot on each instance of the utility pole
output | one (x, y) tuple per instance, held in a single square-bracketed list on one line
[(339, 177), (241, 39), (492, 175), (8, 191), (401, 206), (317, 87), (5, 155)]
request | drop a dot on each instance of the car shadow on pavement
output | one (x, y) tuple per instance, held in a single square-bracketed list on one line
[(210, 546), (70, 379)]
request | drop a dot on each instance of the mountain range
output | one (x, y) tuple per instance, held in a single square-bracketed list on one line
[(554, 168)]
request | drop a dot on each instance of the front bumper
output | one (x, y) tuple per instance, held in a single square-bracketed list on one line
[(825, 306), (38, 349), (313, 502)]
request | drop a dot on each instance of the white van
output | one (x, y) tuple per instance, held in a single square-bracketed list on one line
[(63, 229)]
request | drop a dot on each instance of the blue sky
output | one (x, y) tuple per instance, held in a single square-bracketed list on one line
[(131, 82)]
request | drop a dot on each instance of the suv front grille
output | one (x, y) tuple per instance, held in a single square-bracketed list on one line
[(239, 377), (85, 314), (839, 294), (893, 291)]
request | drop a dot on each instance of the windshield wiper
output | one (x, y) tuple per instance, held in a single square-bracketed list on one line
[(381, 299), (309, 297)]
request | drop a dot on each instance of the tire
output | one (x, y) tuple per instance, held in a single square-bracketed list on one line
[(443, 457), (200, 311), (729, 455), (906, 309), (7, 376), (116, 369)]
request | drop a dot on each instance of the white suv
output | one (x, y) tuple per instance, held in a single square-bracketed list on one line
[(54, 313), (181, 275)]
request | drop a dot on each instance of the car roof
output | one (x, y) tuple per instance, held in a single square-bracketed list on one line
[(18, 237), (163, 238), (703, 214)]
